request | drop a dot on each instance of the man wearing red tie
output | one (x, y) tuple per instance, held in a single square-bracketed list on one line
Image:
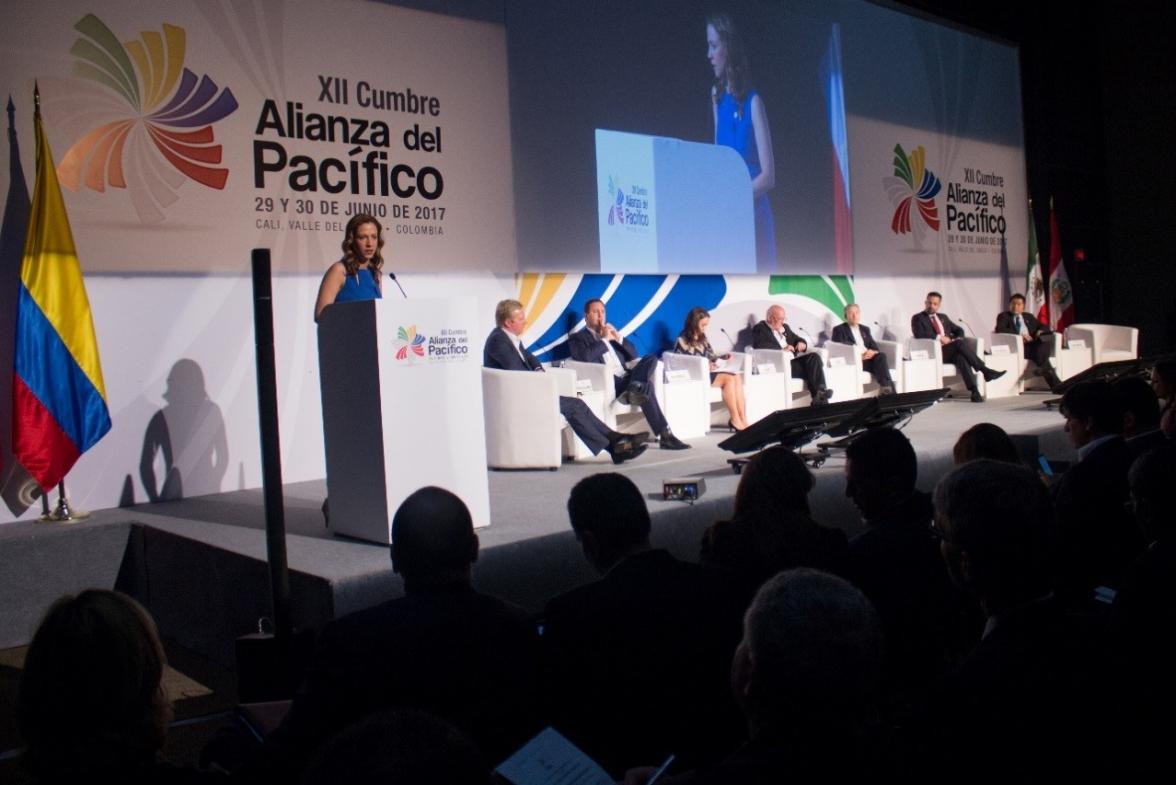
[(929, 323)]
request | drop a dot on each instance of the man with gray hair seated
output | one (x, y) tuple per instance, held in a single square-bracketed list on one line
[(805, 676), (1026, 704)]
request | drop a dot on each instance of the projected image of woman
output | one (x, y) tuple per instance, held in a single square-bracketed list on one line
[(741, 122), (357, 275)]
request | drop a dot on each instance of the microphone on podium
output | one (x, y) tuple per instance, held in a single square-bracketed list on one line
[(392, 276), (723, 330)]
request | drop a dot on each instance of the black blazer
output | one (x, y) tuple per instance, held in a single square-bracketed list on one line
[(1005, 324), (587, 347), (921, 326), (842, 334), (500, 352), (762, 337)]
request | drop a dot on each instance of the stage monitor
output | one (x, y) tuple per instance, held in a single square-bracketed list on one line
[(1107, 372), (796, 427)]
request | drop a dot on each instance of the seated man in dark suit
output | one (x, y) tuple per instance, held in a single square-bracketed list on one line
[(929, 323), (805, 676), (599, 342), (1098, 539), (896, 563), (638, 661), (774, 333), (506, 352), (1015, 321), (1026, 705), (442, 648), (874, 360)]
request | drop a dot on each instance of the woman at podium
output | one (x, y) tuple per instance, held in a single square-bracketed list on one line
[(692, 340), (357, 275), (741, 122)]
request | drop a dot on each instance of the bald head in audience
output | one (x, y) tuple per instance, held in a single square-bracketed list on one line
[(433, 540)]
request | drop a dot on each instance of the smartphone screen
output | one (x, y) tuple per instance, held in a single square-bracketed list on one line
[(1044, 465)]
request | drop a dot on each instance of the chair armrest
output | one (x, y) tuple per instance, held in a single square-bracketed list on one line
[(851, 353), (597, 373), (697, 367), (565, 381), (929, 345), (1006, 339), (777, 358), (1082, 334)]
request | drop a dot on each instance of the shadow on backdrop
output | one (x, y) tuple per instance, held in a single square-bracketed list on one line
[(189, 434)]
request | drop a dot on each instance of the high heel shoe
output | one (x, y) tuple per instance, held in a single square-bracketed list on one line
[(731, 427)]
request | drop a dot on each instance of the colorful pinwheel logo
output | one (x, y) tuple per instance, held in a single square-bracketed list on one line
[(616, 213), (407, 341), (912, 183), (159, 108)]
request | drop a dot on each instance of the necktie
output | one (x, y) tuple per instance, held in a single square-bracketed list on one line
[(1020, 324), (938, 326)]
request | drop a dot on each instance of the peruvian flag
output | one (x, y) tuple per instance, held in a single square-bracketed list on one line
[(1061, 294)]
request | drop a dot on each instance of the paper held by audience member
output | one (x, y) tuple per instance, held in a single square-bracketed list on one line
[(550, 759)]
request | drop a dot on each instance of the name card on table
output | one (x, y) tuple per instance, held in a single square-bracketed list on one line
[(679, 375), (1076, 343), (920, 354), (836, 362), (999, 348)]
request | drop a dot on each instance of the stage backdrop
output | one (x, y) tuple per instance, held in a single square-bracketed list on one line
[(190, 132), (149, 106)]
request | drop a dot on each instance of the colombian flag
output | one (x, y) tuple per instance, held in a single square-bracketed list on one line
[(58, 398)]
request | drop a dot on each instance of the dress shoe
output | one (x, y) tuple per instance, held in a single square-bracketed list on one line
[(822, 396), (886, 390), (977, 396), (669, 441), (991, 375), (625, 450)]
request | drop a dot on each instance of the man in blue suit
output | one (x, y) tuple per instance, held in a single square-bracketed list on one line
[(599, 342), (874, 360), (505, 351)]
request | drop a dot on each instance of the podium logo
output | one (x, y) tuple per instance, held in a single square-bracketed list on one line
[(913, 185), (408, 342), (628, 209), (156, 118)]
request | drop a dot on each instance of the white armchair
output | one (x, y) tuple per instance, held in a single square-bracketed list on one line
[(1011, 360), (685, 399), (523, 422), (1107, 342), (774, 368), (1069, 361), (946, 374), (844, 374)]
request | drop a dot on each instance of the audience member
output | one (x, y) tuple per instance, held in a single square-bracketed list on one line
[(400, 747), (1141, 415), (1097, 537), (985, 440), (638, 661), (806, 678), (896, 563), (1164, 386), (442, 648), (772, 528), (1143, 616), (91, 705), (1025, 706)]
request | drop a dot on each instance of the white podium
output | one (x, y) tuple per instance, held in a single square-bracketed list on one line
[(402, 408)]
